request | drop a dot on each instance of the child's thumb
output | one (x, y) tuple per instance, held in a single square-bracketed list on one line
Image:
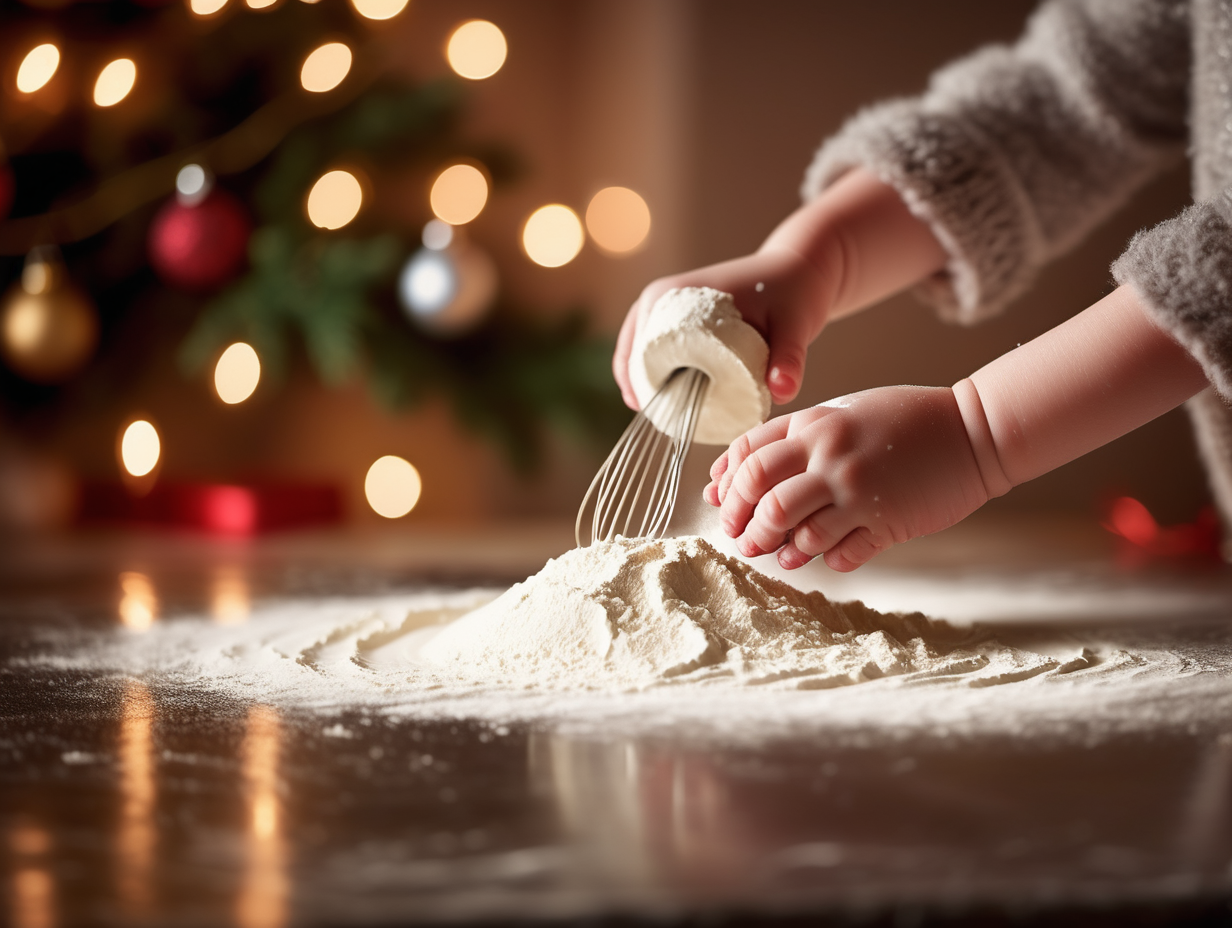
[(785, 370)]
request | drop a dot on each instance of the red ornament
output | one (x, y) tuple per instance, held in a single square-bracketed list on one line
[(8, 187), (199, 246)]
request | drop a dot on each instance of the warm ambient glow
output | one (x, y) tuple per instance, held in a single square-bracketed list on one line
[(230, 597), (206, 7), (237, 373), (392, 486), (553, 235), (38, 67), (334, 200), (140, 448), (618, 220), (459, 194), (138, 604), (326, 67), (477, 49), (379, 9), (115, 82)]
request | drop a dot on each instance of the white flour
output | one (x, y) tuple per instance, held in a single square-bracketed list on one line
[(674, 636), (633, 613)]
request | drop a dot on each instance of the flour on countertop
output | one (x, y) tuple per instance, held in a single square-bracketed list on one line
[(673, 636), (632, 613)]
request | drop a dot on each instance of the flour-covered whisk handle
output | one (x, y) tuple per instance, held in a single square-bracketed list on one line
[(701, 328)]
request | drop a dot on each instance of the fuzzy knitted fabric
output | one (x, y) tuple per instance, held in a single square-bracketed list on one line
[(1014, 153)]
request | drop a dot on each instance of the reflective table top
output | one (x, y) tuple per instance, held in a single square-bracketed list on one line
[(133, 800)]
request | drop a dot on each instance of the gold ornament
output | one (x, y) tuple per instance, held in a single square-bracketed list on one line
[(48, 328)]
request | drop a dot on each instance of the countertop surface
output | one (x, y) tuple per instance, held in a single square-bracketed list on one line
[(145, 798)]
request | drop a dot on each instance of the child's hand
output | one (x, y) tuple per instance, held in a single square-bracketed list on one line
[(850, 478), (779, 293)]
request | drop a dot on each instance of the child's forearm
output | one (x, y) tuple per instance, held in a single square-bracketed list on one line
[(1078, 386), (862, 239)]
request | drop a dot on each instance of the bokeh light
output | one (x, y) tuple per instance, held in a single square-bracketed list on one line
[(428, 283), (437, 235), (206, 7), (325, 67), (138, 604), (379, 9), (260, 4), (237, 373), (459, 194), (476, 49), (392, 486), (618, 219), (115, 82), (335, 200), (553, 235), (140, 448), (38, 67), (192, 184)]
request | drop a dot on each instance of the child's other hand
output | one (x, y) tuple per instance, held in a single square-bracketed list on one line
[(850, 478), (779, 293)]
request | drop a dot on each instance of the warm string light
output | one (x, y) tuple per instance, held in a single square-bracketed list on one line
[(476, 49), (115, 82), (334, 200), (379, 9), (38, 67), (459, 194), (237, 373), (206, 7), (618, 219), (392, 486), (325, 67), (552, 235), (140, 448)]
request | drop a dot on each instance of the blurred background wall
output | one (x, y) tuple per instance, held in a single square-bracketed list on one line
[(710, 109)]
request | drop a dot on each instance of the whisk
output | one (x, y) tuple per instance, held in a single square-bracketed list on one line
[(634, 492)]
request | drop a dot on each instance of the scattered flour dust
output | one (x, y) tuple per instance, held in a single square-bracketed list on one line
[(668, 635)]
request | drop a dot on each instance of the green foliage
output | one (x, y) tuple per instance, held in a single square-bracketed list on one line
[(332, 295), (506, 381)]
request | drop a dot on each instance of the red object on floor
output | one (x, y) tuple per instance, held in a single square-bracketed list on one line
[(219, 509), (1131, 520)]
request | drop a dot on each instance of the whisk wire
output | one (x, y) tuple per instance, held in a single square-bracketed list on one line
[(623, 493)]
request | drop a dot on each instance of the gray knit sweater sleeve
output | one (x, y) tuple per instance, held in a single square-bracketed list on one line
[(1014, 153), (1182, 268)]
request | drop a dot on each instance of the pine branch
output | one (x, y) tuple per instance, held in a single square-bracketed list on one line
[(231, 153)]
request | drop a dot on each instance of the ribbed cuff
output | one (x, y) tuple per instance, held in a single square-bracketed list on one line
[(955, 184), (1182, 269)]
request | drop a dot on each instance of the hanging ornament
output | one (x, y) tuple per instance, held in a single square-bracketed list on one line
[(48, 328), (448, 286), (198, 241)]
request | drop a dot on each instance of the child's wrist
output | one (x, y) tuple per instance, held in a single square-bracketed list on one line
[(813, 280), (980, 437)]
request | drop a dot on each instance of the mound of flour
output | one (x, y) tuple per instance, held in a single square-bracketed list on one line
[(635, 612)]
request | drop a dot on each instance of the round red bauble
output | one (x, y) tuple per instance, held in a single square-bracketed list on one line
[(8, 187), (199, 246)]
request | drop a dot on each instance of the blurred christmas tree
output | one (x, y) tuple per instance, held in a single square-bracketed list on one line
[(182, 177)]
